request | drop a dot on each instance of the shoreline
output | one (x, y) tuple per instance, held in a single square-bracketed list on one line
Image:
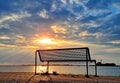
[(56, 65), (29, 77)]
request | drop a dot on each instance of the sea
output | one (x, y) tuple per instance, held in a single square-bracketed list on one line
[(77, 70)]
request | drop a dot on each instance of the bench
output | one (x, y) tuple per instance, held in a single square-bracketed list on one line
[(65, 55)]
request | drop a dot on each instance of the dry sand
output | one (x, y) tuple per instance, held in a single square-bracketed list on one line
[(26, 77)]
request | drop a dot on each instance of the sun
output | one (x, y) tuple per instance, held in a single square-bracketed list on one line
[(47, 41)]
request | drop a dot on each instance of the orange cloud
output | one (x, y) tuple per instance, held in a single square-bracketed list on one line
[(58, 29)]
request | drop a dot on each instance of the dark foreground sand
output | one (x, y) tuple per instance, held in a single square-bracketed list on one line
[(17, 77)]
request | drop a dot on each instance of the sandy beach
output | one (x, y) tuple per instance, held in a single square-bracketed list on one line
[(27, 77)]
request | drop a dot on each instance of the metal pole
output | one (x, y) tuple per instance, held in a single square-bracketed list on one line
[(47, 67), (87, 69), (87, 64), (35, 62), (95, 69)]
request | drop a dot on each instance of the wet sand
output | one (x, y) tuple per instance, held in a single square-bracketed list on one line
[(27, 77)]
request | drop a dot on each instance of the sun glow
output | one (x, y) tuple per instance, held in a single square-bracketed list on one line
[(47, 41), (51, 42)]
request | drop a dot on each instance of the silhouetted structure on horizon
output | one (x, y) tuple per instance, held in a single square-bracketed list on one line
[(105, 64)]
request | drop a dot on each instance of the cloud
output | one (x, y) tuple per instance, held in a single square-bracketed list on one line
[(20, 40), (91, 24), (84, 34), (65, 10), (115, 42), (44, 14), (94, 35), (9, 46), (4, 37), (58, 29), (20, 37), (76, 23), (4, 25), (14, 17)]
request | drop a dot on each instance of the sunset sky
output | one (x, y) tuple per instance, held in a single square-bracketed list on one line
[(27, 25)]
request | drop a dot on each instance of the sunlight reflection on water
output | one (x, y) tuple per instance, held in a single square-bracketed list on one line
[(41, 69), (62, 69)]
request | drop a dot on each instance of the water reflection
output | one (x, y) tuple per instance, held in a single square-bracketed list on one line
[(62, 69), (41, 69), (102, 70)]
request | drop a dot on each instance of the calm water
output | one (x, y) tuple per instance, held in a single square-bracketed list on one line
[(102, 71)]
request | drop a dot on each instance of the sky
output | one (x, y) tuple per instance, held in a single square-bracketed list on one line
[(66, 23)]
